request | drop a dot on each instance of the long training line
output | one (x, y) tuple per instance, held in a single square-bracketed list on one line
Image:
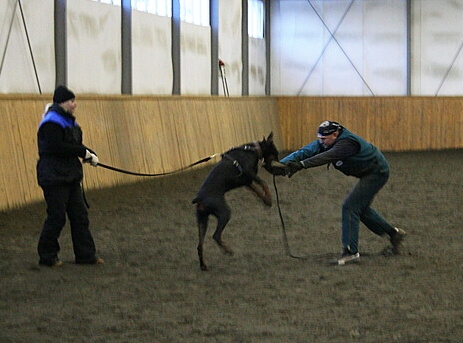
[(283, 227), (124, 171)]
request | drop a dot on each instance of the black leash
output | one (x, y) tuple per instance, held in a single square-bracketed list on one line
[(144, 174), (157, 174), (283, 227)]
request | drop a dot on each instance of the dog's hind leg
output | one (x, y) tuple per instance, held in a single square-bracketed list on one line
[(223, 216), (202, 217)]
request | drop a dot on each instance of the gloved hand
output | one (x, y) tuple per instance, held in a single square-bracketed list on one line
[(293, 167), (91, 158)]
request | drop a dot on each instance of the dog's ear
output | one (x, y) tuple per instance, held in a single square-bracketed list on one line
[(270, 137)]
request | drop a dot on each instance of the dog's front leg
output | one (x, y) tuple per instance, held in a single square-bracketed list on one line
[(268, 195), (265, 196)]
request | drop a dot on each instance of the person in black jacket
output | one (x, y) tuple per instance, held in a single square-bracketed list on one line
[(59, 174)]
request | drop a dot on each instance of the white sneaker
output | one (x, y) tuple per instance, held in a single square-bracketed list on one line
[(345, 257)]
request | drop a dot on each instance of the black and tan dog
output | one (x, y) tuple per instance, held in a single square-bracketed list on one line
[(238, 167)]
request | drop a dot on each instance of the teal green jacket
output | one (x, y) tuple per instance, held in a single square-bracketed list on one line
[(350, 154)]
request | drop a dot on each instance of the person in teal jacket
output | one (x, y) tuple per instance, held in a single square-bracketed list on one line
[(353, 156)]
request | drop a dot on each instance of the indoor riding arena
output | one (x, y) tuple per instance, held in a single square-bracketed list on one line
[(151, 288), (164, 89)]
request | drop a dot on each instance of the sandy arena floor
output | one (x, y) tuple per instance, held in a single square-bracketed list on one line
[(151, 288)]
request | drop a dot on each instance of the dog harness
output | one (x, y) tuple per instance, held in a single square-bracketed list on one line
[(254, 147)]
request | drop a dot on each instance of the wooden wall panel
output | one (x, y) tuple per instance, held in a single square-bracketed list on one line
[(163, 134), (391, 123)]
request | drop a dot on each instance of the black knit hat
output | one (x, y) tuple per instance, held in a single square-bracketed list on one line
[(62, 94), (328, 127)]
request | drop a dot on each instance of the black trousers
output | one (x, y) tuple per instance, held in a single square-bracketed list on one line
[(65, 200)]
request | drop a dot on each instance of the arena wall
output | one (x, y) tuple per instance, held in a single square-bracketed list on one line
[(164, 134), (391, 123)]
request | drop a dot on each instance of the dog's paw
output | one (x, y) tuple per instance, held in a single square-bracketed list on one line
[(267, 201)]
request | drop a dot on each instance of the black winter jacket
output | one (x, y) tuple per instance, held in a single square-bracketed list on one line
[(59, 140)]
